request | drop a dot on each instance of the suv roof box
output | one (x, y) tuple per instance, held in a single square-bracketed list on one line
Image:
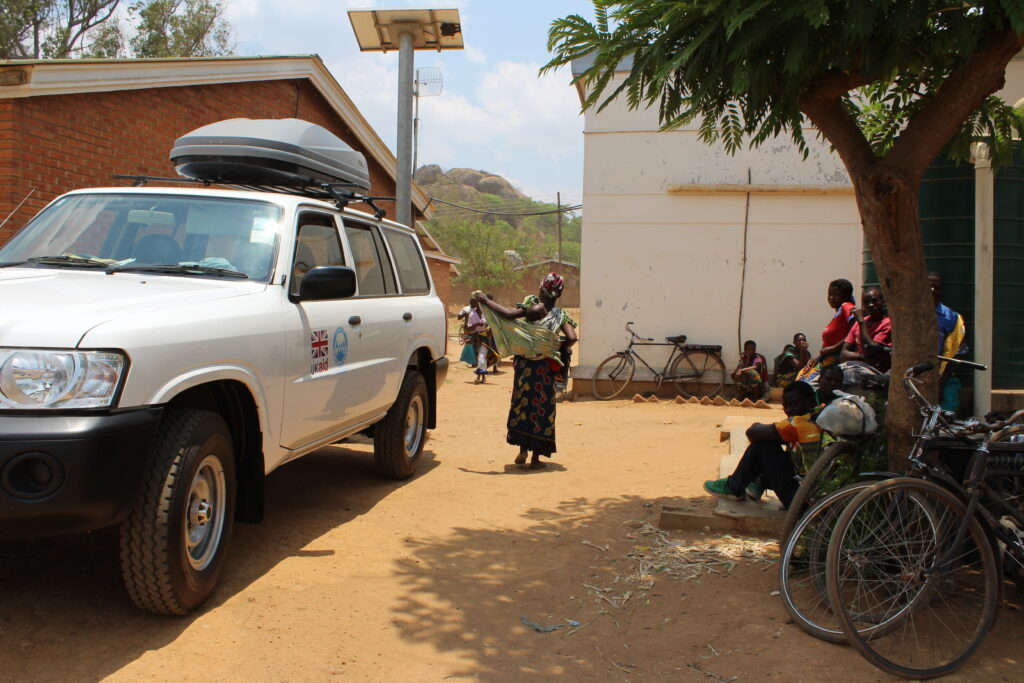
[(269, 152)]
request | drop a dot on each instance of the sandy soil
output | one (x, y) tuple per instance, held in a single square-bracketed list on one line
[(353, 577)]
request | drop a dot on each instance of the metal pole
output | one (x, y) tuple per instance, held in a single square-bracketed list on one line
[(558, 196), (415, 134), (403, 172), (984, 241)]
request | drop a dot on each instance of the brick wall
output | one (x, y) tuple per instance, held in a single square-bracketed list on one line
[(58, 143), (440, 272)]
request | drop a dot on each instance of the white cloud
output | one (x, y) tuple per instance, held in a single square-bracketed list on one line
[(475, 55)]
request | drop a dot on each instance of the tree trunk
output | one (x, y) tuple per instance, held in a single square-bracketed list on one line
[(888, 203)]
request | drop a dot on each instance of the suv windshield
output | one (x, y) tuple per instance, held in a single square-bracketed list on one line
[(205, 236)]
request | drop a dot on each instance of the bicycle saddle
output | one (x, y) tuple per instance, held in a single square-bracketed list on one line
[(678, 339)]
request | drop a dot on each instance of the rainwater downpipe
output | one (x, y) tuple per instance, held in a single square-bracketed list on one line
[(743, 269)]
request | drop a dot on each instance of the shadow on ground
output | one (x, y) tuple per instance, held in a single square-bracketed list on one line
[(63, 597), (468, 593)]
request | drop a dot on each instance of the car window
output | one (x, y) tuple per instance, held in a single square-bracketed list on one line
[(316, 244), (373, 267), (136, 229), (412, 272)]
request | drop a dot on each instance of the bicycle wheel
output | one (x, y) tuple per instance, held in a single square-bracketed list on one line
[(613, 375), (908, 600), (802, 565), (833, 469), (698, 373)]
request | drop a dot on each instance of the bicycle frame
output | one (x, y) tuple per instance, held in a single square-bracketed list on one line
[(678, 349)]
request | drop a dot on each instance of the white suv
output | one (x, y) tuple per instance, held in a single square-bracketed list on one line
[(162, 349)]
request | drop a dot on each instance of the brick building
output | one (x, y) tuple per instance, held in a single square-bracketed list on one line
[(66, 124)]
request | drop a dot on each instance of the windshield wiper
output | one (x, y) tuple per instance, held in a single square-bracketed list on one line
[(68, 261), (177, 270)]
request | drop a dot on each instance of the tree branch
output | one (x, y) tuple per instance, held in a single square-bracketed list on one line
[(959, 95), (822, 104)]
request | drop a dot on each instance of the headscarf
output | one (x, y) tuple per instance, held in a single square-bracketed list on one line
[(552, 285)]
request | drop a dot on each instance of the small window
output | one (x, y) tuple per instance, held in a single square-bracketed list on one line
[(412, 272), (373, 267), (316, 244)]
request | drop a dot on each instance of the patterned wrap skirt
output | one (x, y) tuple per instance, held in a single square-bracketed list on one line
[(531, 417)]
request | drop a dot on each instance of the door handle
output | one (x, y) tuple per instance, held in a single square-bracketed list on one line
[(355, 320), (407, 317)]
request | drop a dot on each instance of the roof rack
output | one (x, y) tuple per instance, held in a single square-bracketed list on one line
[(332, 192)]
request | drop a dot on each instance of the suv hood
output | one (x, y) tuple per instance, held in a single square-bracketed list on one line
[(56, 308)]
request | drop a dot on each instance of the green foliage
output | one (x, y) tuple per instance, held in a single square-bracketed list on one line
[(741, 67), (61, 29), (180, 28), (488, 250), (51, 29), (481, 240)]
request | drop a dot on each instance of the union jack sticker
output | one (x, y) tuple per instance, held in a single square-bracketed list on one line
[(318, 352)]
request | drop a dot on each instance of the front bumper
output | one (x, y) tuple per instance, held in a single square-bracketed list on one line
[(63, 474)]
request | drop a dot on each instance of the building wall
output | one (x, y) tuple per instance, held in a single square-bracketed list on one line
[(671, 259), (53, 144)]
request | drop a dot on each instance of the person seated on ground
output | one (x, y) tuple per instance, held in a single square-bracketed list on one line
[(791, 361), (751, 373), (766, 458), (869, 343)]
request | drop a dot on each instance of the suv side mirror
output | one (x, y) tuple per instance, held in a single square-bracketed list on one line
[(327, 282)]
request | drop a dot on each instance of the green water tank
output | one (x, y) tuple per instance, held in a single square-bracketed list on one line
[(947, 226)]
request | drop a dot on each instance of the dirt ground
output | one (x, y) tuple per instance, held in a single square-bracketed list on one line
[(354, 577)]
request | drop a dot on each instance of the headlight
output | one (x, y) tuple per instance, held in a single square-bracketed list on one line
[(38, 378)]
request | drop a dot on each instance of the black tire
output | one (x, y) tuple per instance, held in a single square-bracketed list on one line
[(175, 540), (398, 439), (818, 480), (925, 619), (613, 375), (802, 557), (698, 373)]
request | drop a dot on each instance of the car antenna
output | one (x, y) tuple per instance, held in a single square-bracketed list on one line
[(15, 209)]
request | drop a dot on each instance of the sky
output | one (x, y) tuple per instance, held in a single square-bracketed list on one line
[(495, 113)]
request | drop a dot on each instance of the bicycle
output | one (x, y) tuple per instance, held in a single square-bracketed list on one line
[(839, 464), (694, 369), (805, 540), (913, 568)]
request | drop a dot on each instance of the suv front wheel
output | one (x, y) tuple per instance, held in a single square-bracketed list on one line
[(174, 542), (398, 438)]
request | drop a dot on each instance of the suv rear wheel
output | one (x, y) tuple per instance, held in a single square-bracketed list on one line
[(174, 542), (398, 438)]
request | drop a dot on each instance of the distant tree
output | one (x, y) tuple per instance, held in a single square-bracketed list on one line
[(50, 29), (60, 29), (889, 83), (181, 28), (489, 251)]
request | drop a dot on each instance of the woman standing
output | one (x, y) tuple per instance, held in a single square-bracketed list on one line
[(538, 358)]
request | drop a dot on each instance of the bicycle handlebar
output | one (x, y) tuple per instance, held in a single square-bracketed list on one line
[(966, 363), (635, 335)]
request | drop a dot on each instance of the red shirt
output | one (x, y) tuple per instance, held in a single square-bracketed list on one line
[(839, 326), (878, 331)]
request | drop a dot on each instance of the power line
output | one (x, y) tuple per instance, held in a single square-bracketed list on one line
[(564, 209)]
